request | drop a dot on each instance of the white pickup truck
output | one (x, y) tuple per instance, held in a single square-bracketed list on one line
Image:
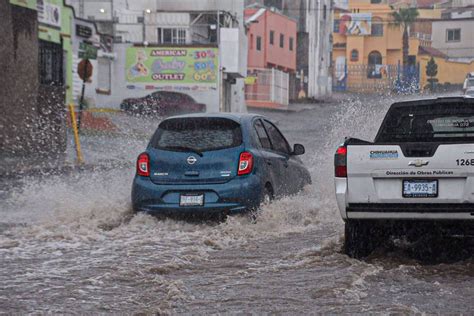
[(416, 177)]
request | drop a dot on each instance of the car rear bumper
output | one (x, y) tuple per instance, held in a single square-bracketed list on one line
[(411, 211), (235, 196)]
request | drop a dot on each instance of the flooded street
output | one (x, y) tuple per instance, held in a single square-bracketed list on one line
[(70, 244)]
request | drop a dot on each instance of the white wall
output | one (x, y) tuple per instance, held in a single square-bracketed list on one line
[(120, 91), (461, 49), (319, 30)]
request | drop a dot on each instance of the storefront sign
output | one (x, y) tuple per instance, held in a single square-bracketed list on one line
[(176, 67), (87, 51), (49, 14), (83, 31)]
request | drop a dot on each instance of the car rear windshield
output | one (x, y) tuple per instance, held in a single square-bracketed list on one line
[(198, 134), (450, 122)]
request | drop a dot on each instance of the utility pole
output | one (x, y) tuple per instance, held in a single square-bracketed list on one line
[(219, 74)]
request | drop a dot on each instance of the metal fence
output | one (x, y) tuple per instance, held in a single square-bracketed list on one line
[(51, 70), (267, 86), (376, 78)]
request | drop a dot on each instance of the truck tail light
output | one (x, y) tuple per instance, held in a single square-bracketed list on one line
[(340, 162), (143, 165), (245, 163)]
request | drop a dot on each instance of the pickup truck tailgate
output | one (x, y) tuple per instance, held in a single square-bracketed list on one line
[(383, 174)]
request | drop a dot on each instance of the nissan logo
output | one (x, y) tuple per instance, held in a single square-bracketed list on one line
[(191, 160)]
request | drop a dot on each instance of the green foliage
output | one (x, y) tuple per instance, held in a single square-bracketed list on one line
[(431, 68), (404, 17)]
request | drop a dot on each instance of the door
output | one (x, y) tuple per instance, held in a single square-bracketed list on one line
[(271, 163), (282, 157)]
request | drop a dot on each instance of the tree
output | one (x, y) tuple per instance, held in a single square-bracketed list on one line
[(432, 71), (404, 18)]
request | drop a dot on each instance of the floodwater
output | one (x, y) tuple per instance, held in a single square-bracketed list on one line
[(70, 244)]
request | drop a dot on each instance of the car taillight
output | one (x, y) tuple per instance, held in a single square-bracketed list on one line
[(245, 163), (143, 165), (340, 162)]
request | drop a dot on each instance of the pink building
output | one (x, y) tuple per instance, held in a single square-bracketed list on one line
[(271, 57), (272, 40)]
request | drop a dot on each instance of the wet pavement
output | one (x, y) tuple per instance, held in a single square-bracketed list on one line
[(69, 243)]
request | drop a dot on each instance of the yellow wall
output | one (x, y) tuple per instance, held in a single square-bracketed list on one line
[(389, 45), (448, 71), (429, 13)]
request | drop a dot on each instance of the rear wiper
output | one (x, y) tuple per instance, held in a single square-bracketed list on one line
[(184, 148)]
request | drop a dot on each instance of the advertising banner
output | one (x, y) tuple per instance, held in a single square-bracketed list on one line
[(355, 24), (172, 68), (48, 13)]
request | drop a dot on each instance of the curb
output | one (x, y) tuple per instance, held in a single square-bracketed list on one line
[(63, 170)]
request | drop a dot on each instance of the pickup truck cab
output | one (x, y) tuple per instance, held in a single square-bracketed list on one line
[(417, 175)]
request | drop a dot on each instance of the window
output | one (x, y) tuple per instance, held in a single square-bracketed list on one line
[(375, 1), (282, 40), (251, 41), (262, 135), (354, 55), (202, 134), (103, 75), (377, 27), (336, 26), (431, 122), (171, 36), (272, 37), (291, 43), (324, 12), (453, 35), (277, 140), (259, 43), (51, 63)]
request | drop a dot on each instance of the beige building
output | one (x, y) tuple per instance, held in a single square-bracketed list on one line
[(454, 37)]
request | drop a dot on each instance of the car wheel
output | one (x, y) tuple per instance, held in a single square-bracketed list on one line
[(267, 196), (265, 199), (362, 237)]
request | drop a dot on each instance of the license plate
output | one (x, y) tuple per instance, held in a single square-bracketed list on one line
[(420, 188), (191, 200)]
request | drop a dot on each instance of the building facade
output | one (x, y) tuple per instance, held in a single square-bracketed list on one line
[(271, 56), (313, 76), (37, 43), (271, 40), (454, 37), (163, 24), (367, 49)]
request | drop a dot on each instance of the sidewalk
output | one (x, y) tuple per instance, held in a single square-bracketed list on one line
[(108, 140)]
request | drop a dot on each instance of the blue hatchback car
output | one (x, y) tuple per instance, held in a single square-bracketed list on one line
[(216, 163)]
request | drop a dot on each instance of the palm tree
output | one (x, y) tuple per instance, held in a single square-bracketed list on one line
[(404, 18)]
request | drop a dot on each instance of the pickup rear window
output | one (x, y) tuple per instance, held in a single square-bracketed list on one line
[(428, 123), (197, 133)]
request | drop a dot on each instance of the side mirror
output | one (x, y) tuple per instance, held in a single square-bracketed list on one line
[(298, 149)]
